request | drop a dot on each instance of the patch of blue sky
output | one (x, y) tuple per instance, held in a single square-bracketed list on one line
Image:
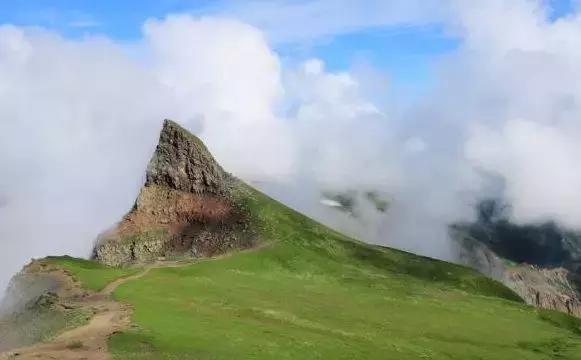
[(561, 8), (120, 20), (406, 53)]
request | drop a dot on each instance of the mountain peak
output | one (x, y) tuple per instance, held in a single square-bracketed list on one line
[(182, 162), (185, 207)]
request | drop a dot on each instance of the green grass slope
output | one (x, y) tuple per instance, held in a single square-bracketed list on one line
[(92, 275), (311, 293)]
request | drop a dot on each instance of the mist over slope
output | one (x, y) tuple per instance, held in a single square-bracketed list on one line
[(504, 105)]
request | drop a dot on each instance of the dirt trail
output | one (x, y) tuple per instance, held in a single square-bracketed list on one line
[(88, 341)]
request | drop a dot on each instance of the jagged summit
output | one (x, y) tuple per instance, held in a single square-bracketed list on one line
[(182, 162), (185, 207)]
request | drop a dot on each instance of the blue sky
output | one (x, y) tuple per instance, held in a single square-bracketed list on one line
[(406, 53)]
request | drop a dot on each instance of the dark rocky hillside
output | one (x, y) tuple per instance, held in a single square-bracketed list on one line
[(545, 244), (540, 262)]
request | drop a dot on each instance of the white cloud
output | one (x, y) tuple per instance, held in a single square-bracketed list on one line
[(517, 94), (508, 102), (415, 145), (343, 138), (222, 74), (79, 119), (540, 165)]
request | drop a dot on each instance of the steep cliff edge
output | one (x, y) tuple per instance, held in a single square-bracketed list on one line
[(545, 288), (186, 207), (540, 262), (554, 289)]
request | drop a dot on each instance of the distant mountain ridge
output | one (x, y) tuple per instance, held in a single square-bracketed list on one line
[(540, 262), (545, 244)]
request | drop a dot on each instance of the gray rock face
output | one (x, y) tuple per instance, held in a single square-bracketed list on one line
[(545, 288), (541, 262), (182, 162), (478, 256), (185, 207), (142, 247), (554, 289)]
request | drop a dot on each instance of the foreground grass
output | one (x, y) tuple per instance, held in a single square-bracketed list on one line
[(311, 293), (91, 274)]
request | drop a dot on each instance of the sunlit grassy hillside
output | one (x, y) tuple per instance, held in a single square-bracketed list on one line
[(310, 293)]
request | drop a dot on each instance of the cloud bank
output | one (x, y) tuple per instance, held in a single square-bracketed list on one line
[(521, 105), (79, 119)]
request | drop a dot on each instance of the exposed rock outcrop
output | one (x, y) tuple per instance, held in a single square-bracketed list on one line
[(554, 289), (182, 162), (185, 207), (478, 256)]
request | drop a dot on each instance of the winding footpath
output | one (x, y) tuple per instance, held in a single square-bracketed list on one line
[(88, 342)]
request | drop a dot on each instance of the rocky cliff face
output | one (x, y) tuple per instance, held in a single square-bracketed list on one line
[(478, 256), (540, 262), (183, 163), (185, 207), (546, 288), (554, 289)]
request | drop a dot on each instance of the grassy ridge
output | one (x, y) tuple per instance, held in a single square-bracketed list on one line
[(91, 274), (311, 293)]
